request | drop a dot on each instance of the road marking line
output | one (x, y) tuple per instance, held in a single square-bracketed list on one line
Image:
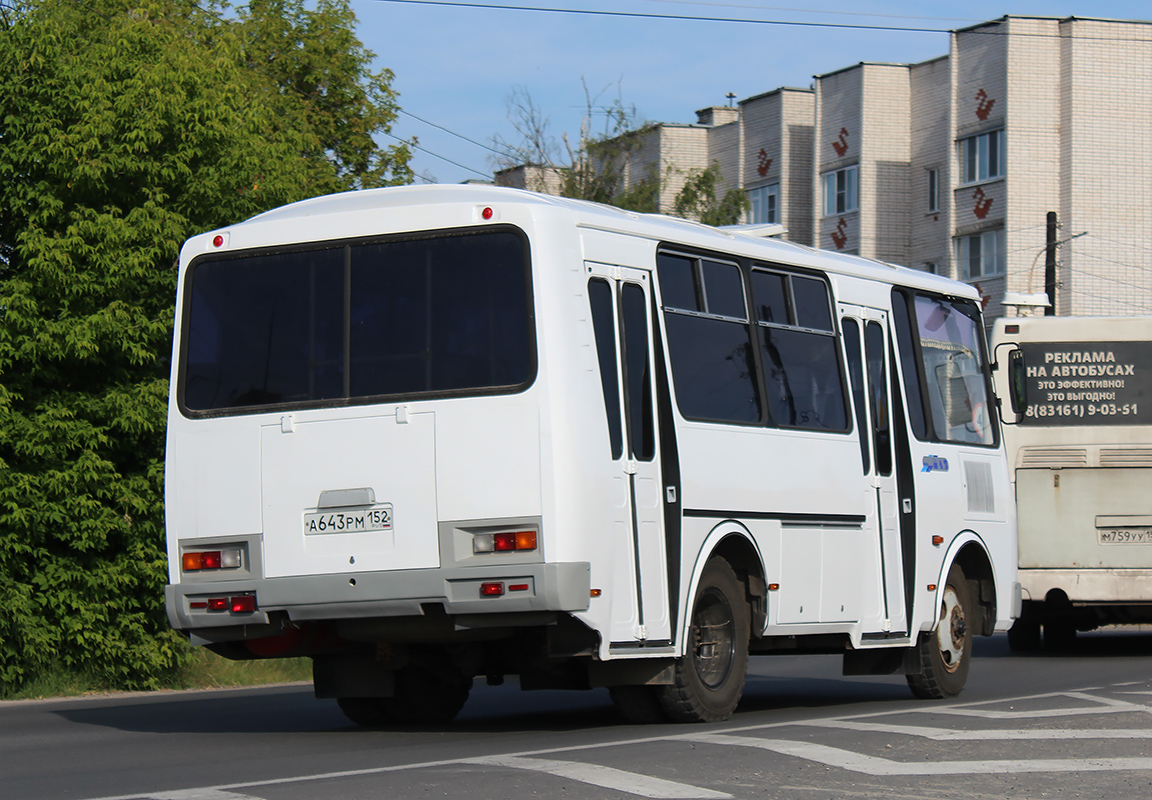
[(604, 777), (1105, 705), (946, 735), (200, 794), (872, 765)]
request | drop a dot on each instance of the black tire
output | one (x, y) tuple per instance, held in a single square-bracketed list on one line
[(367, 711), (946, 653), (639, 705), (427, 694), (1024, 636), (709, 679)]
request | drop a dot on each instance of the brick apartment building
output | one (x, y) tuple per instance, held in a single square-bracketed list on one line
[(953, 165)]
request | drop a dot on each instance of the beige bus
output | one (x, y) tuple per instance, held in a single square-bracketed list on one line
[(1081, 461)]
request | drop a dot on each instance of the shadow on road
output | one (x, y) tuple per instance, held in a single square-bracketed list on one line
[(777, 683)]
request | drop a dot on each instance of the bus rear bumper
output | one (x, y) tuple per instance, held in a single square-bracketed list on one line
[(1084, 585), (563, 587)]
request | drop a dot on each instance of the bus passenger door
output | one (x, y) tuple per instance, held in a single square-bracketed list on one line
[(867, 346), (621, 302)]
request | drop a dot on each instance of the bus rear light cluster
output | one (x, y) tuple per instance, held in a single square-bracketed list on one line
[(229, 558), (240, 604), (503, 542)]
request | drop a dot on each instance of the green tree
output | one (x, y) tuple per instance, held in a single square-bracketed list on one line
[(125, 126), (697, 199)]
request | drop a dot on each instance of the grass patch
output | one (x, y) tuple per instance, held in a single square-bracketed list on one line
[(203, 670), (56, 681), (206, 670)]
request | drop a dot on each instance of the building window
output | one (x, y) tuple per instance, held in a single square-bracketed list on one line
[(933, 191), (982, 157), (840, 193), (765, 204), (981, 254)]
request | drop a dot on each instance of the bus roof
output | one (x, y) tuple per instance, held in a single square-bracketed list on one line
[(588, 214)]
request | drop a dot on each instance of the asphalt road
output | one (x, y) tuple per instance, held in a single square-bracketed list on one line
[(1077, 724)]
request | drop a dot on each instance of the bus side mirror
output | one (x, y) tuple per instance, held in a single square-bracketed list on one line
[(1017, 385), (1012, 383)]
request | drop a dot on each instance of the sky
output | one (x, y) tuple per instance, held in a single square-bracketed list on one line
[(457, 67)]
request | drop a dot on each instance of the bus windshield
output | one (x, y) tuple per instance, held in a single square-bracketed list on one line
[(953, 366)]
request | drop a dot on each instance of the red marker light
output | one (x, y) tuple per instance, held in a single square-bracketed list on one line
[(218, 240), (487, 213), (492, 589), (217, 603), (243, 604)]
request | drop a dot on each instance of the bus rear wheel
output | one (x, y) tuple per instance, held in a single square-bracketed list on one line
[(428, 694), (946, 653), (425, 694), (709, 680)]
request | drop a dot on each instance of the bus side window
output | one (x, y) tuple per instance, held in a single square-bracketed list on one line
[(906, 348), (803, 372), (603, 325), (641, 423), (709, 342), (851, 332), (878, 384)]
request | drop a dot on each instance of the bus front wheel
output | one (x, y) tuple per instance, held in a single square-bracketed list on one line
[(709, 678), (945, 653)]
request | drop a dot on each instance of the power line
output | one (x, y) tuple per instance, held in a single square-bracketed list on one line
[(871, 14), (453, 133), (414, 146), (681, 17), (777, 22)]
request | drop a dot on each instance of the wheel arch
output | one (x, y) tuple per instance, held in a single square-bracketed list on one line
[(732, 541), (971, 555)]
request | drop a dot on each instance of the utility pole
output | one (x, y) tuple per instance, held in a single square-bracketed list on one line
[(1050, 265)]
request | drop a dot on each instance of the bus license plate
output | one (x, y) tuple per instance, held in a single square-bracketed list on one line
[(1126, 536), (360, 520)]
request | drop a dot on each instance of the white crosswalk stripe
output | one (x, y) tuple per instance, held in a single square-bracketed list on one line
[(606, 777)]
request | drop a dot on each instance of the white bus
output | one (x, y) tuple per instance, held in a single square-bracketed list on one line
[(1081, 460), (428, 434)]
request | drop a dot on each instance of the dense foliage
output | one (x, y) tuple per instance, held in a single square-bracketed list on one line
[(126, 126)]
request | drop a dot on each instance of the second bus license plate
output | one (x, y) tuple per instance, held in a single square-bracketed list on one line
[(1126, 536)]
